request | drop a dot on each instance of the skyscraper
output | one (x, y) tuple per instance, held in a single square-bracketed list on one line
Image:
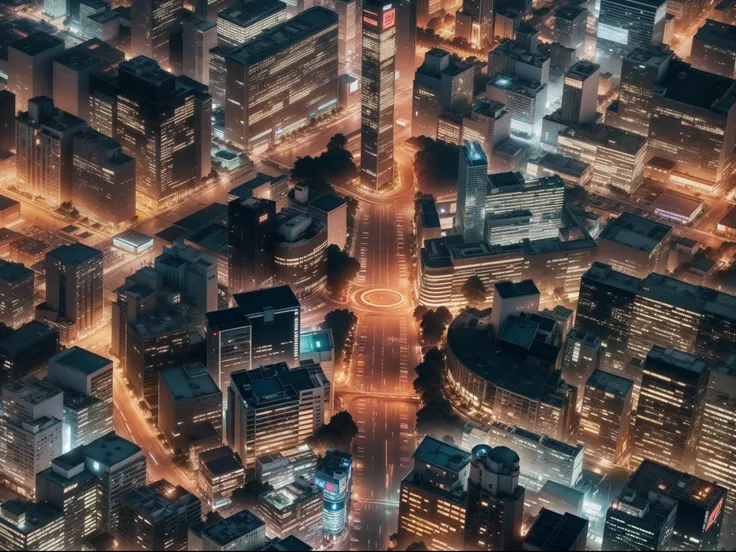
[(334, 476), (379, 64), (714, 49), (251, 224), (627, 24), (472, 184), (199, 38), (16, 294), (238, 24), (489, 124), (406, 39), (570, 26), (7, 122), (479, 14), (30, 67), (152, 22), (580, 94), (295, 509), (73, 290), (191, 273), (581, 356)]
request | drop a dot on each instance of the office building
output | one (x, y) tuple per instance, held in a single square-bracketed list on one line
[(104, 180), (240, 531), (635, 246), (264, 186), (152, 23), (16, 294), (542, 457), (262, 329), (334, 476), (199, 37), (220, 473), (190, 273), (157, 517), (251, 224), (639, 522), (433, 497), (31, 432), (30, 66), (714, 49), (624, 25), (136, 298), (27, 351), (617, 156), (73, 291), (238, 24), (514, 59), (702, 152), (44, 150), (630, 315), (295, 509), (698, 515), (570, 26), (642, 69), (260, 109), (670, 409), (553, 531), (31, 526), (347, 33), (377, 96), (474, 434), (715, 454), (86, 379), (283, 468), (188, 400), (306, 383), (153, 344), (605, 422), (580, 94), (495, 499), (7, 122), (328, 209), (489, 124), (471, 192), (440, 84), (525, 99), (475, 22), (300, 253), (450, 128), (218, 75), (581, 356)]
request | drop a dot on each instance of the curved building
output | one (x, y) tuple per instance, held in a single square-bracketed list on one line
[(300, 254)]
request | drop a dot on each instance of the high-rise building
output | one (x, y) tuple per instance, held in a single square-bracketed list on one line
[(725, 12), (200, 36), (630, 315), (44, 150), (136, 298), (295, 509), (642, 69), (264, 73), (283, 468), (152, 23), (627, 24), (347, 34), (635, 245), (670, 409), (570, 26), (378, 74), (334, 476), (30, 67), (220, 473), (104, 180), (617, 156), (542, 457), (489, 124), (525, 99), (440, 84), (513, 58), (73, 291), (581, 356), (328, 209), (605, 422), (191, 273), (157, 517), (240, 531), (7, 122), (30, 432), (27, 351), (714, 49), (495, 499), (580, 94), (702, 153), (471, 192), (717, 444), (300, 253), (684, 513), (31, 526), (16, 294), (86, 379), (188, 400), (478, 24), (251, 224), (218, 75), (238, 24), (553, 531), (407, 12)]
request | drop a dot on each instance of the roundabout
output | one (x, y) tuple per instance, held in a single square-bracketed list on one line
[(380, 298)]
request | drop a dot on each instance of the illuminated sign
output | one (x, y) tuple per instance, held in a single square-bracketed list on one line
[(370, 18), (614, 34), (330, 487), (389, 18), (713, 517), (263, 218)]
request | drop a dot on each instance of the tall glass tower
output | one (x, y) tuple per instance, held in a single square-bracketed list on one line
[(471, 192), (379, 65)]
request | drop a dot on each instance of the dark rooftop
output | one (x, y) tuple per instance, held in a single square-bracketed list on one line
[(76, 253), (276, 298), (440, 454), (553, 531), (610, 383), (698, 89), (36, 43), (507, 290), (81, 360), (635, 232)]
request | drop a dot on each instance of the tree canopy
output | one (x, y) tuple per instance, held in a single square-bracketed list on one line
[(474, 291), (436, 417), (436, 166), (341, 270), (333, 166), (338, 433), (433, 323), (341, 322)]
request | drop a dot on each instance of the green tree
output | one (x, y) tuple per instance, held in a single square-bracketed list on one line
[(338, 433), (341, 270), (416, 547), (338, 141), (247, 496), (419, 312), (444, 314), (341, 322), (436, 166), (474, 291), (432, 328)]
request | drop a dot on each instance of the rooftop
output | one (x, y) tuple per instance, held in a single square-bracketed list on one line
[(36, 43), (673, 203), (110, 449), (81, 360), (221, 460), (698, 89), (729, 219), (562, 164), (717, 34), (12, 272), (553, 531), (36, 515), (255, 11), (650, 55), (570, 13), (582, 69), (317, 341), (283, 35), (510, 48), (610, 383), (440, 454), (6, 201), (515, 84), (327, 203), (25, 337), (635, 232), (133, 237), (285, 497), (276, 298), (229, 529), (669, 359), (188, 381), (335, 461), (508, 290), (76, 253), (157, 499), (32, 390), (608, 136), (157, 324)]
